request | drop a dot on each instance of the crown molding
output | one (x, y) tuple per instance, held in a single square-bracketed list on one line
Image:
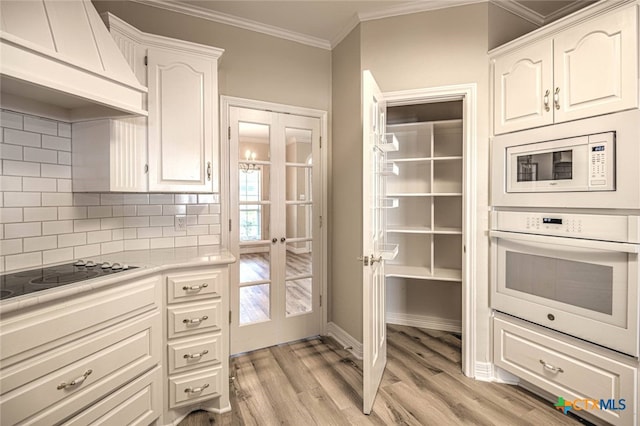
[(354, 21), (414, 7), (521, 11), (247, 24), (560, 13)]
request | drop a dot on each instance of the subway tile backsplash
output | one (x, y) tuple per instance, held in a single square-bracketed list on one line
[(43, 222)]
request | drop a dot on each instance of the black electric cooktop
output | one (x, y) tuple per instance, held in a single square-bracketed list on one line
[(33, 280)]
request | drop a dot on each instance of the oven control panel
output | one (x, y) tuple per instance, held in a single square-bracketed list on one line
[(591, 226)]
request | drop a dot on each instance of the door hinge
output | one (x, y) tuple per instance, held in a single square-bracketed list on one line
[(229, 133), (464, 249), (320, 300), (229, 317), (146, 60), (320, 221), (320, 142), (146, 168), (229, 225)]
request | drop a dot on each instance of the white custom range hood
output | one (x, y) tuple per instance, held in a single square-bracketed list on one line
[(57, 59)]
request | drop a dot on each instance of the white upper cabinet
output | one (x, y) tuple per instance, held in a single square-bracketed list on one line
[(596, 66), (175, 148), (523, 85), (567, 71), (182, 91)]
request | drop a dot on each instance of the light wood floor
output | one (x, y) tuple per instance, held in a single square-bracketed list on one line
[(314, 382)]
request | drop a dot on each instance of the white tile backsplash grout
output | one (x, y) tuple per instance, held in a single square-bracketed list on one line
[(42, 221)]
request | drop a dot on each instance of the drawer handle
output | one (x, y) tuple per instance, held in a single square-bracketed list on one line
[(551, 368), (556, 98), (74, 382), (195, 287), (196, 355), (195, 320), (546, 100), (197, 390)]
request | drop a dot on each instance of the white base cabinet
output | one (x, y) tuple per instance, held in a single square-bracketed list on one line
[(197, 342), (78, 359), (580, 373)]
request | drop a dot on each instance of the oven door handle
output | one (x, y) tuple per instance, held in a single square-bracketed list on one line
[(571, 242)]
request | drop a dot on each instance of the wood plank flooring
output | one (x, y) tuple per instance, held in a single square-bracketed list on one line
[(314, 382)]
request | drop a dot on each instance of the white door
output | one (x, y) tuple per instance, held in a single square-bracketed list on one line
[(523, 88), (181, 127), (596, 66), (275, 293), (373, 231)]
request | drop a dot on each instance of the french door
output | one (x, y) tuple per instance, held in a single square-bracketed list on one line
[(274, 191)]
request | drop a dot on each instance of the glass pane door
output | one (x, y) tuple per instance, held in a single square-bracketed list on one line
[(275, 294), (299, 219), (254, 216)]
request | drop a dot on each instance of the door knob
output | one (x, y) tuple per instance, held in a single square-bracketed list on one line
[(274, 240), (283, 239)]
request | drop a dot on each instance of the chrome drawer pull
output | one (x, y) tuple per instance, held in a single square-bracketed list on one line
[(551, 368), (195, 320), (195, 287), (196, 355), (74, 382), (197, 390), (556, 98)]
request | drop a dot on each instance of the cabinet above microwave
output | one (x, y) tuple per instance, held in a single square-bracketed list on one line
[(590, 163), (581, 66)]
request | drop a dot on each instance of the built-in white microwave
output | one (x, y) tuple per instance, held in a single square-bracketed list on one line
[(590, 163), (583, 163)]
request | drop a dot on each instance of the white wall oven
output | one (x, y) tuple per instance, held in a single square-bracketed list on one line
[(574, 273), (583, 164)]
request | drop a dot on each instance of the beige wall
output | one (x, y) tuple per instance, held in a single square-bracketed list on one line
[(428, 49), (345, 293), (504, 26), (254, 65)]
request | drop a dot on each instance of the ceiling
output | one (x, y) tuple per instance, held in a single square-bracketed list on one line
[(324, 23)]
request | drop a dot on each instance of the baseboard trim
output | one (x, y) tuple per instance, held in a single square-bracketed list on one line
[(347, 341), (423, 321), (483, 372)]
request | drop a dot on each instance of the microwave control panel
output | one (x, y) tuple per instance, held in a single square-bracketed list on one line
[(601, 160)]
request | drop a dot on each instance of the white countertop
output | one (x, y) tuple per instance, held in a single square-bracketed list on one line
[(148, 262)]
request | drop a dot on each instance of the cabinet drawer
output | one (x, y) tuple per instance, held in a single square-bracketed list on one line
[(564, 368), (33, 332), (193, 318), (189, 388), (196, 352), (183, 287), (138, 403), (65, 381)]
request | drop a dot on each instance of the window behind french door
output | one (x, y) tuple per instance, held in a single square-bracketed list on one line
[(274, 172)]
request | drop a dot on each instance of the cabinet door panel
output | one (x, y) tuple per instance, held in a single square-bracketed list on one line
[(521, 81), (596, 67), (180, 122)]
